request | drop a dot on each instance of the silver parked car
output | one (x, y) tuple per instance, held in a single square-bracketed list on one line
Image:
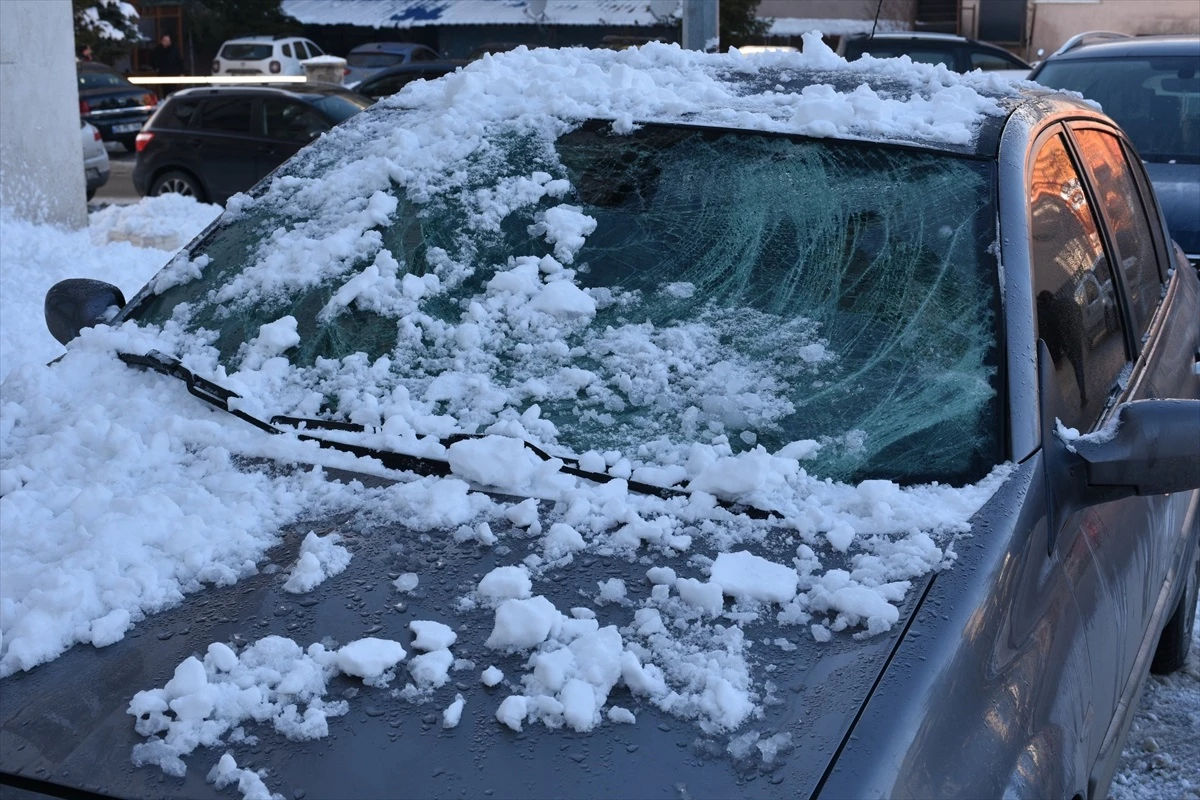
[(96, 166), (702, 426)]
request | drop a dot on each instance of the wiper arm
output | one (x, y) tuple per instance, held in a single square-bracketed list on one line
[(219, 396)]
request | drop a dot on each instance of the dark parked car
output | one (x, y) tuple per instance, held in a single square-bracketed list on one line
[(696, 435), (388, 81), (115, 106), (214, 142), (367, 59), (956, 52), (1151, 86)]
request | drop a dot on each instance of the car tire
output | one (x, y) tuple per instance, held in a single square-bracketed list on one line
[(176, 182), (1176, 638)]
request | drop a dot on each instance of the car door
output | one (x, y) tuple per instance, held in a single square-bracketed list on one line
[(290, 125), (1095, 283), (227, 144)]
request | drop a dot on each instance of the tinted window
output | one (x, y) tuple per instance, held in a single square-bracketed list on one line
[(226, 114), (313, 50), (1156, 101), (373, 60), (293, 121), (287, 50), (918, 53), (988, 61), (179, 113), (1077, 309), (424, 55), (246, 52), (301, 51), (339, 107), (1127, 221)]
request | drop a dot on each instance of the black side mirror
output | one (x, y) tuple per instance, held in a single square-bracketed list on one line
[(1155, 449), (78, 303)]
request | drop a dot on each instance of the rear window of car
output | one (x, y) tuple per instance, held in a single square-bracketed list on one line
[(374, 60), (226, 114), (102, 79), (247, 52)]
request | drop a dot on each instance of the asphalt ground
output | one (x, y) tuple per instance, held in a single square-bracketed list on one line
[(119, 189)]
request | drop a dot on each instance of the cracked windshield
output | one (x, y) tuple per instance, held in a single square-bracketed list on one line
[(641, 292)]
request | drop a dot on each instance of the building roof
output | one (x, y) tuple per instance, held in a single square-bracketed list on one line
[(830, 26), (422, 13)]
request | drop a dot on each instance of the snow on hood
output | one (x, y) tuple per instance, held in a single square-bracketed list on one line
[(120, 493)]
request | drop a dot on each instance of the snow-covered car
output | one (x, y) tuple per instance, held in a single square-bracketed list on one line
[(683, 425), (96, 167), (264, 55)]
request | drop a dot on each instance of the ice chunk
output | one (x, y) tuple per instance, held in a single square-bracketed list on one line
[(369, 657), (432, 635), (745, 576), (523, 623), (453, 712), (504, 583)]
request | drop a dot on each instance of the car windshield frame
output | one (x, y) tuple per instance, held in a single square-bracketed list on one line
[(990, 453)]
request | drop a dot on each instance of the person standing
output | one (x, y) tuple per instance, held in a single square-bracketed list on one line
[(166, 60)]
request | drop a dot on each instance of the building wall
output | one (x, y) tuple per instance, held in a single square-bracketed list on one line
[(41, 154), (1049, 23)]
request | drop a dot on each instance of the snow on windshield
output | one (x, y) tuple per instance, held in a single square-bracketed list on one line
[(140, 495)]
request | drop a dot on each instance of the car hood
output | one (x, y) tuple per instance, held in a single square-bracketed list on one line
[(66, 721), (1178, 190)]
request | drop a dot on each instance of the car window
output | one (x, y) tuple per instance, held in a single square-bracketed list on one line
[(101, 79), (301, 51), (1128, 221), (226, 114), (1078, 314), (986, 61), (390, 84), (338, 107), (1156, 101), (293, 121), (179, 113), (800, 290), (287, 50), (374, 60), (421, 54), (313, 50), (246, 52)]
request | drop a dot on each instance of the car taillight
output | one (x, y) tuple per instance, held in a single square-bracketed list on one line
[(345, 71), (216, 66), (150, 99), (96, 134), (84, 108), (275, 67), (142, 140)]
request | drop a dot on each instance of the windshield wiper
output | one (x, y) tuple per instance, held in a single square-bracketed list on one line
[(219, 397)]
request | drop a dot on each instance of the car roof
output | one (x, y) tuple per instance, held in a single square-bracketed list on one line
[(261, 39), (297, 90), (928, 35), (1172, 45)]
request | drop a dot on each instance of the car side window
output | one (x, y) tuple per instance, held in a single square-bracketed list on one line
[(293, 121), (313, 50), (287, 51), (226, 115), (301, 51), (1077, 311), (989, 61), (1128, 222), (180, 114), (420, 54)]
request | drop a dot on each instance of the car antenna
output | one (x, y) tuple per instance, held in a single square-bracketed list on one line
[(878, 8)]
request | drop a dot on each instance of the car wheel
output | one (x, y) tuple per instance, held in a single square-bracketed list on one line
[(1176, 638), (175, 182)]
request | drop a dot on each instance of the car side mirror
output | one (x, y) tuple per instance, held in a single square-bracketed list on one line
[(78, 303), (1149, 447)]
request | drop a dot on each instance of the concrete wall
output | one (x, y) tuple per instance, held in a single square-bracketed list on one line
[(41, 153)]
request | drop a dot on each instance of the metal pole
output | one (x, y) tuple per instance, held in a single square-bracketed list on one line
[(700, 27)]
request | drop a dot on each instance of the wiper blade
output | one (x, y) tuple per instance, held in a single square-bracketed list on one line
[(219, 397)]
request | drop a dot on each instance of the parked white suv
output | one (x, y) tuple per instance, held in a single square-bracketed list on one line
[(264, 55)]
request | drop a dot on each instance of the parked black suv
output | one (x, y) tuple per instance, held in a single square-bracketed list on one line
[(214, 142), (956, 52)]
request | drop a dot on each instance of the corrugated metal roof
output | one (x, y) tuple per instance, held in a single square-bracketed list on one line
[(421, 13), (795, 26)]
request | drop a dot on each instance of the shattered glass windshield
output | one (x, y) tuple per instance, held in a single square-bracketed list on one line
[(639, 293)]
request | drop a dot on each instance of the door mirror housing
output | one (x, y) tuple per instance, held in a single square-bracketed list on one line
[(1150, 447), (78, 303)]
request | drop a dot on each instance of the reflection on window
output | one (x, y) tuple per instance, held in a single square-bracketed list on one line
[(1077, 310), (1127, 221)]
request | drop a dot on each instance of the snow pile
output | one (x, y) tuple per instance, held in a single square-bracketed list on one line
[(272, 680), (35, 257), (321, 557)]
